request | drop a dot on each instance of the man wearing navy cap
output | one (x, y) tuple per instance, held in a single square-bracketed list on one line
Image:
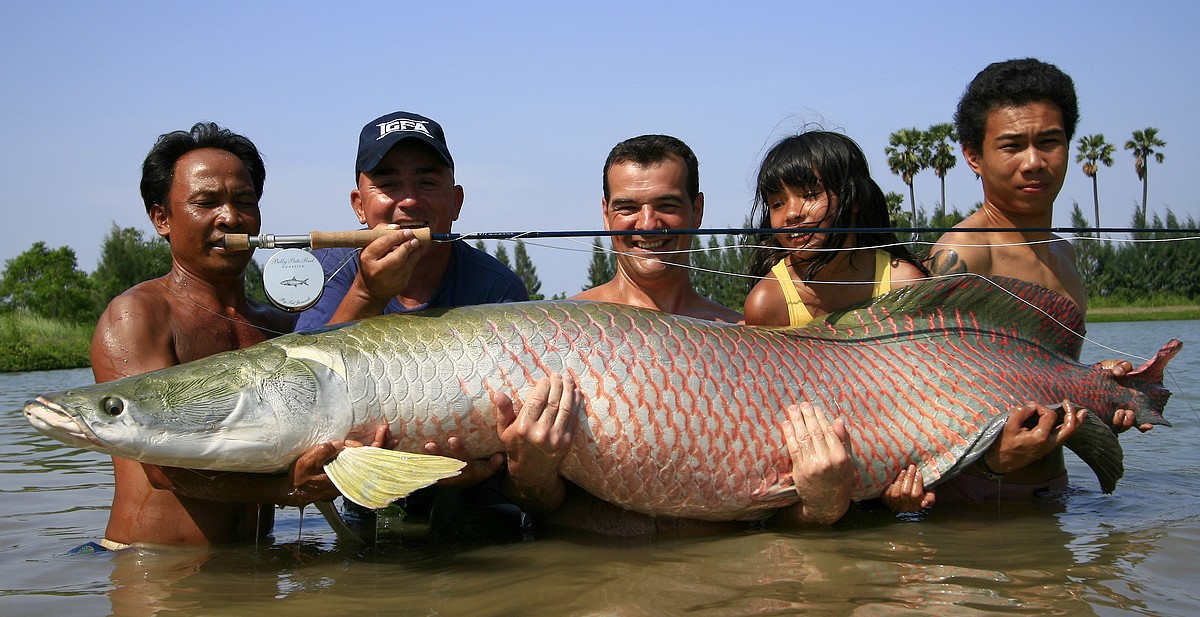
[(405, 180), (404, 177)]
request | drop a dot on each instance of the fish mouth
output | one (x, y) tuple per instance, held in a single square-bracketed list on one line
[(53, 421)]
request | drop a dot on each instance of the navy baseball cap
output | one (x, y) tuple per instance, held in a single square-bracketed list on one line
[(384, 132)]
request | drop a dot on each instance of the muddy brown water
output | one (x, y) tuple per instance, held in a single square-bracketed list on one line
[(1084, 553)]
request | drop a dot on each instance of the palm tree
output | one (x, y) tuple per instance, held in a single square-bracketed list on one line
[(942, 155), (894, 202), (1093, 150), (908, 154), (1143, 145)]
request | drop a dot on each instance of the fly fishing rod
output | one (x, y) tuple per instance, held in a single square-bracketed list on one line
[(362, 237), (294, 279)]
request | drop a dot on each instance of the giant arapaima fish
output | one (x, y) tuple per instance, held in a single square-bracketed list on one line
[(683, 416)]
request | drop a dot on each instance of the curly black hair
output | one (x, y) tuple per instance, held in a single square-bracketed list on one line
[(1013, 83)]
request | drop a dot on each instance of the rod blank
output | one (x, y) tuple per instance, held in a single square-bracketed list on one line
[(362, 237)]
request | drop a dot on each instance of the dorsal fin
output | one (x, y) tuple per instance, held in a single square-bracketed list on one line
[(1027, 310)]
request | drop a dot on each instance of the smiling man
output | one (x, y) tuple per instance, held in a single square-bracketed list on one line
[(652, 182), (404, 178)]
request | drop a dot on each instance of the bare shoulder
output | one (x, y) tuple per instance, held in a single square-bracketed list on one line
[(144, 306), (1064, 247), (766, 306), (905, 273), (599, 293), (959, 253), (133, 334)]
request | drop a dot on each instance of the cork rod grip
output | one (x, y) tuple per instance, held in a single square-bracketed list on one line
[(360, 237), (237, 242)]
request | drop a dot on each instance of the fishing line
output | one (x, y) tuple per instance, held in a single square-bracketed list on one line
[(221, 315), (1079, 233), (738, 231), (1082, 337)]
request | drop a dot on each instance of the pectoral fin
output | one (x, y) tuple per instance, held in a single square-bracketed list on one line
[(375, 477)]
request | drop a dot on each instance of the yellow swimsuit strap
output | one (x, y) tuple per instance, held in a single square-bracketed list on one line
[(798, 314), (883, 273)]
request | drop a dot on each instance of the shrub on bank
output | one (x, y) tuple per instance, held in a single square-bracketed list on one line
[(32, 343)]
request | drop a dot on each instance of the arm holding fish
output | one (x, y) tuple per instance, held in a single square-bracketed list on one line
[(822, 467), (477, 469), (536, 439), (305, 481), (385, 267), (1019, 445)]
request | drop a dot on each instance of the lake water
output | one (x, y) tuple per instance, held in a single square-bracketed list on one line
[(1132, 552)]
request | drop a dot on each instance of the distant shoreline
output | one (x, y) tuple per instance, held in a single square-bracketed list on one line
[(1143, 313)]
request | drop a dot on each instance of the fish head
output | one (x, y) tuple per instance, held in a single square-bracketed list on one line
[(236, 411)]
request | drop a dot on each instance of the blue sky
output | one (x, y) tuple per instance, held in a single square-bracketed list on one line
[(533, 95)]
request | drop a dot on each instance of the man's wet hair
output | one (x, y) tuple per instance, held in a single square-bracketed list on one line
[(158, 170), (1013, 83), (647, 150)]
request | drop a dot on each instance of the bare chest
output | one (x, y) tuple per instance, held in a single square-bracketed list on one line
[(207, 333), (1055, 270)]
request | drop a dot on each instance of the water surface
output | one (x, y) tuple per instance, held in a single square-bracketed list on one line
[(1132, 552)]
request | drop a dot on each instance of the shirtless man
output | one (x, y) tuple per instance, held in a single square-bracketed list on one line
[(197, 186), (652, 182), (1015, 121)]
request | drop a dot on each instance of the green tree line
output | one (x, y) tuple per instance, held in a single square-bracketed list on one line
[(1156, 268), (48, 282)]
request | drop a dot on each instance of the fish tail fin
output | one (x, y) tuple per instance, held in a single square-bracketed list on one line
[(375, 477), (1096, 444), (1148, 379)]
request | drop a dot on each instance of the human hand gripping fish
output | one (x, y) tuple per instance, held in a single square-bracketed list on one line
[(537, 438), (822, 466), (1122, 418), (309, 481)]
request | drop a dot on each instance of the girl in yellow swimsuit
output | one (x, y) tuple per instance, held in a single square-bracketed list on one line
[(813, 181)]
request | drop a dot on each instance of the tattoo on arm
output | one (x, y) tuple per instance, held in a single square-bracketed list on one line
[(947, 261)]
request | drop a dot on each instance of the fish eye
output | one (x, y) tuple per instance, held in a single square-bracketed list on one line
[(112, 405)]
